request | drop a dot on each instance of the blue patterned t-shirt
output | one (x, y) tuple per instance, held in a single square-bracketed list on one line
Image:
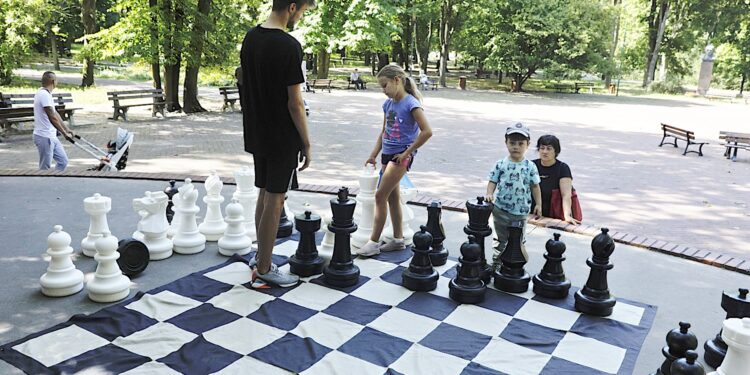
[(514, 180), (401, 129)]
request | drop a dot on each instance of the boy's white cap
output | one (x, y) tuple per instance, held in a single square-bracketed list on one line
[(518, 128)]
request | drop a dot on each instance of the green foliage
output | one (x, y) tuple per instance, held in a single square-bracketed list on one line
[(729, 66), (671, 86), (21, 26), (368, 25)]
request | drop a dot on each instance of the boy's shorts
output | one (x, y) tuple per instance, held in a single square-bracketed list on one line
[(388, 158), (276, 175)]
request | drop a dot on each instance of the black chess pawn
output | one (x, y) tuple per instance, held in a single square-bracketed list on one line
[(479, 217), (341, 271), (736, 307), (687, 365), (679, 341), (285, 225), (170, 191), (134, 256), (594, 298), (512, 277), (467, 286), (438, 253), (420, 276), (306, 262), (551, 281)]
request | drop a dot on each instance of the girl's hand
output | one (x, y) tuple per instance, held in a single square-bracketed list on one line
[(371, 160), (398, 158)]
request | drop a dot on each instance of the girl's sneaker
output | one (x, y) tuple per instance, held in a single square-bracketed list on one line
[(370, 249), (395, 245)]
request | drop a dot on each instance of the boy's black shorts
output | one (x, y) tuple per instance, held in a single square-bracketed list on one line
[(276, 175)]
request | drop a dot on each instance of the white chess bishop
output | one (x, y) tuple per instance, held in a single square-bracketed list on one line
[(368, 182), (213, 224), (62, 277), (235, 239), (152, 209), (97, 206), (247, 195), (187, 239), (108, 284), (736, 333), (407, 215)]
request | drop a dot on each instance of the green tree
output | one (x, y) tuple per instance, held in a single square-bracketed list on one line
[(22, 26)]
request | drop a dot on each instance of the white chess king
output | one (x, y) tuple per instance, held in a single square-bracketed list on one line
[(62, 277)]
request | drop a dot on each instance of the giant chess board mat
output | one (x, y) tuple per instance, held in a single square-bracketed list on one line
[(212, 322)]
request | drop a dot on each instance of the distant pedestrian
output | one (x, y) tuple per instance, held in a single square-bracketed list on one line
[(47, 123)]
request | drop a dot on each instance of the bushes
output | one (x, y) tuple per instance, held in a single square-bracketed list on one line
[(670, 86)]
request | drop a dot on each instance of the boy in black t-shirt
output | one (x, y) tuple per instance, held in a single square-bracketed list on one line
[(275, 127)]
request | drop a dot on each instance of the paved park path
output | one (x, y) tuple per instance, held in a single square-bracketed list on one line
[(624, 180)]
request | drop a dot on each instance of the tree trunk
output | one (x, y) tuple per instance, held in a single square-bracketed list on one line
[(368, 58), (445, 38), (615, 39), (88, 18), (499, 76), (742, 83), (53, 47), (197, 39), (174, 18), (324, 62), (663, 16), (397, 53), (382, 60), (154, 42)]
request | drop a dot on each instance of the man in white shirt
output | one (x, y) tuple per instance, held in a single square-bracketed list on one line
[(354, 78), (47, 122)]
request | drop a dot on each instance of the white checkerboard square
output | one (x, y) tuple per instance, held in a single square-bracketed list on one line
[(404, 324), (286, 248), (249, 365), (327, 330), (627, 313), (445, 267), (156, 341), (163, 305), (240, 300), (55, 347), (507, 357), (547, 315), (336, 362), (236, 273), (442, 289), (243, 335), (152, 368), (423, 360), (313, 296), (383, 292), (590, 352), (373, 268), (478, 319)]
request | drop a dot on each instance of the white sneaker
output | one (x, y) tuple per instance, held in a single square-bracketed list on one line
[(370, 249), (395, 245), (274, 277)]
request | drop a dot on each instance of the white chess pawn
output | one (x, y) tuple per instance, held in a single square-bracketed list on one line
[(213, 224), (736, 333), (152, 209), (407, 215), (368, 182), (108, 284), (62, 277), (325, 250), (235, 239), (247, 194), (176, 218), (187, 239), (97, 206)]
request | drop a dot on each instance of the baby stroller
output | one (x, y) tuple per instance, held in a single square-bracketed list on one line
[(115, 158)]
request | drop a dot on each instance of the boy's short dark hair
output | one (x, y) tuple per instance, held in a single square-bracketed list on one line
[(516, 137), (549, 140), (283, 4)]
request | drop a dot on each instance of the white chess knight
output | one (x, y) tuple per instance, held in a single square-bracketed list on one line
[(368, 182), (187, 239), (97, 206), (62, 277), (736, 333), (247, 195), (407, 215), (108, 284), (176, 202), (235, 239), (152, 209), (213, 224)]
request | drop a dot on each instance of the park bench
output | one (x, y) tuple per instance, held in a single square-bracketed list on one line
[(10, 116), (579, 85), (324, 84), (731, 98), (231, 94), (734, 141), (350, 83), (561, 87), (27, 101), (157, 101), (682, 134)]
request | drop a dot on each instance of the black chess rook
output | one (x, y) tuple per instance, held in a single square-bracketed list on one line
[(594, 298), (736, 306), (306, 262), (438, 253), (341, 271), (420, 276), (512, 277), (479, 217), (467, 286), (551, 281), (679, 341)]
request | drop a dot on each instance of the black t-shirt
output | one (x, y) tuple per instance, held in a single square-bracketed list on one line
[(271, 60), (550, 181)]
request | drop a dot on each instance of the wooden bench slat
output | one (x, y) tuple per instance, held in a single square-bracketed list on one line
[(681, 134), (160, 91)]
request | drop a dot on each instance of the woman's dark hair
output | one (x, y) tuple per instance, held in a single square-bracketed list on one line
[(549, 140)]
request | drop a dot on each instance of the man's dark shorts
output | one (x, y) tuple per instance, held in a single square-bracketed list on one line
[(276, 175)]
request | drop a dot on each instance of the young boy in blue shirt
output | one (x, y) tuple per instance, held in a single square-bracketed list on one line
[(509, 185)]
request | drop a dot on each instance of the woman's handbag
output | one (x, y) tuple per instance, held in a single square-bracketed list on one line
[(556, 206)]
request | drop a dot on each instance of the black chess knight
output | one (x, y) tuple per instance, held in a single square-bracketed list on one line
[(438, 253)]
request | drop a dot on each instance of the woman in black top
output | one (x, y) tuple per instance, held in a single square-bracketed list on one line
[(555, 175)]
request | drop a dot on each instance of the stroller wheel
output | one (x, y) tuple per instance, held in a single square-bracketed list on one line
[(133, 258)]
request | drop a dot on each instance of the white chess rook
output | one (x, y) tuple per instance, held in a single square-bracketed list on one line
[(235, 239), (246, 193), (187, 239), (213, 225), (407, 215), (368, 182), (176, 202), (62, 277), (736, 333), (97, 206), (153, 226), (108, 284)]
